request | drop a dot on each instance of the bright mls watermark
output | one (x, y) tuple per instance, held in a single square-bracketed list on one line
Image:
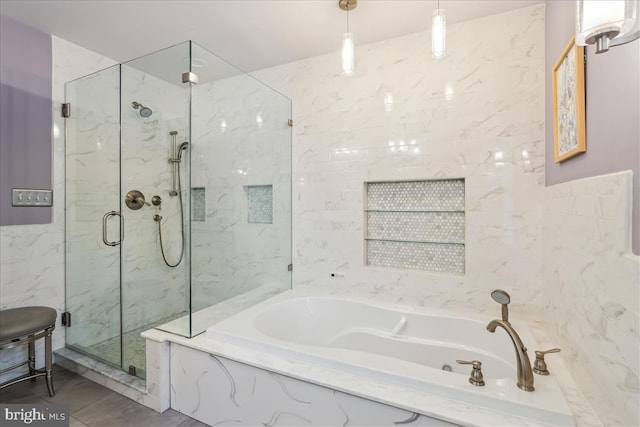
[(34, 415)]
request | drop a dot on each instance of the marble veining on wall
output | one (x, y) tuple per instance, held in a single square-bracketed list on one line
[(591, 283), (477, 114), (241, 153)]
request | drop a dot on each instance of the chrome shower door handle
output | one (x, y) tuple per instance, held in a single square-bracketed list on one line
[(104, 228)]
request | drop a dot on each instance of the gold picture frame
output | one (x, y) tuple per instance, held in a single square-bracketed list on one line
[(569, 125)]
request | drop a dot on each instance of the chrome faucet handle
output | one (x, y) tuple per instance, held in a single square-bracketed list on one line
[(476, 377), (540, 366)]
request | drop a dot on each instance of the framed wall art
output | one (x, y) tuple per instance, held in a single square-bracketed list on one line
[(569, 136)]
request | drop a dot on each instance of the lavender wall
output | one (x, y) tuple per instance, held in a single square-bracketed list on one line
[(25, 119), (613, 109)]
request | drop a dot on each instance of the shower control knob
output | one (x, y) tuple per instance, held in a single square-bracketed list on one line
[(156, 200), (135, 200)]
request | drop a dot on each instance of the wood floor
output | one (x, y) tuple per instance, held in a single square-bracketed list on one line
[(91, 404)]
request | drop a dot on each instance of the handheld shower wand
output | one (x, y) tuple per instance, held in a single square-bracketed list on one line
[(181, 148), (175, 161), (502, 297)]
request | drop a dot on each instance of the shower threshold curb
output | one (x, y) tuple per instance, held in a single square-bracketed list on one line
[(101, 373)]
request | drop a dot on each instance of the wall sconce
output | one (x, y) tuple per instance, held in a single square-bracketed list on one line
[(438, 32), (348, 45), (606, 23)]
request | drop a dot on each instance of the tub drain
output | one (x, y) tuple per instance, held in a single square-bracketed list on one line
[(446, 367)]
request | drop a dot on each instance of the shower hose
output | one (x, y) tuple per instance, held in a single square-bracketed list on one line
[(158, 219)]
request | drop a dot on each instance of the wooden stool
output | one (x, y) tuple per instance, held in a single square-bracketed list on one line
[(25, 325)]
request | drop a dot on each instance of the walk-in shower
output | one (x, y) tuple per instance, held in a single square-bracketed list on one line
[(160, 224)]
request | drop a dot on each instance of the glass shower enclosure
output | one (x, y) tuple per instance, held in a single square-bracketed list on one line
[(177, 197)]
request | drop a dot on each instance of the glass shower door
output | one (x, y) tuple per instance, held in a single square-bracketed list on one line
[(125, 126), (93, 224), (155, 271)]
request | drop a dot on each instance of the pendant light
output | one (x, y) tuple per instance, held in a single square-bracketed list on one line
[(606, 23), (438, 32), (348, 45)]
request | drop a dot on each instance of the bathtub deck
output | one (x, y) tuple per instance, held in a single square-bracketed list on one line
[(390, 394), (206, 317)]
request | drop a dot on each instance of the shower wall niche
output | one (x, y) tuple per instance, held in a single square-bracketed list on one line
[(125, 124)]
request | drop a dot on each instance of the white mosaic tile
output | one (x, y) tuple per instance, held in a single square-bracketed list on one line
[(416, 256), (433, 195), (442, 227), (260, 202), (416, 225), (198, 205)]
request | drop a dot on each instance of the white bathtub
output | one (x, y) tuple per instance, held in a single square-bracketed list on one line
[(407, 348)]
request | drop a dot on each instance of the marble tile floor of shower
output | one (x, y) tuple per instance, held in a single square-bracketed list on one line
[(133, 347), (91, 404), (133, 351)]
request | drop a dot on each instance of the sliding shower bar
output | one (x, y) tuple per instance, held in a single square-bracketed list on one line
[(174, 163)]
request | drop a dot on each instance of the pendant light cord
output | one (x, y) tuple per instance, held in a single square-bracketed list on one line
[(348, 15)]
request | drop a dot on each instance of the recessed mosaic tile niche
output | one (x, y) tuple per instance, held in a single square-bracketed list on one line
[(416, 225), (198, 206), (260, 203)]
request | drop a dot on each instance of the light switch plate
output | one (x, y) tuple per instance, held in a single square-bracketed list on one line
[(27, 197)]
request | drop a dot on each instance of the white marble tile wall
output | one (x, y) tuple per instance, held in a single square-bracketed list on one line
[(219, 391), (32, 256), (590, 285), (240, 138), (477, 114)]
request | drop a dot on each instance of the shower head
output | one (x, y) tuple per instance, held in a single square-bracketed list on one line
[(181, 147), (144, 111), (503, 298), (500, 296)]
